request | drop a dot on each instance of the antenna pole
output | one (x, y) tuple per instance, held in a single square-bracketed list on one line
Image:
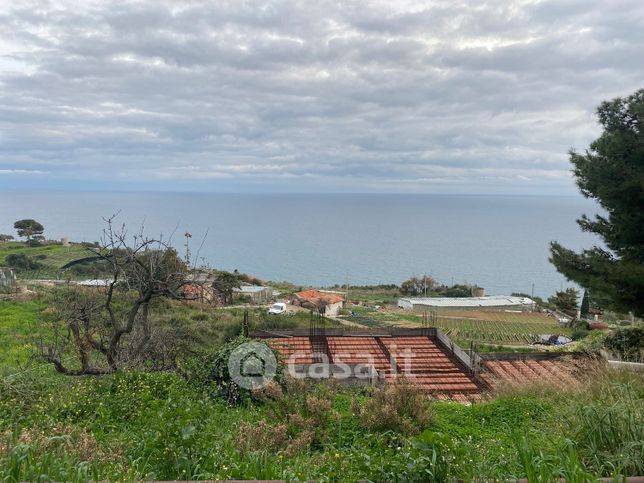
[(346, 282)]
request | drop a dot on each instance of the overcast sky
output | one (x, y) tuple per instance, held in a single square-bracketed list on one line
[(352, 96)]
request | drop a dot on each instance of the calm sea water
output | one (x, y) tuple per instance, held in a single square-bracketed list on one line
[(498, 242)]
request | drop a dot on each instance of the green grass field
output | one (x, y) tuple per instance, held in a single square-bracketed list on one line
[(19, 326), (374, 295), (52, 257)]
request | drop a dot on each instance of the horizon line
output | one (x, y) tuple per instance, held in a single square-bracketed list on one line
[(291, 193)]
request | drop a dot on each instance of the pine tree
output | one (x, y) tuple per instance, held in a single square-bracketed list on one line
[(585, 305), (565, 300), (612, 173)]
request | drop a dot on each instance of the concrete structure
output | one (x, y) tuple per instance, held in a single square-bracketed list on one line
[(257, 293), (202, 277), (426, 357), (366, 357), (7, 277), (559, 369), (199, 292), (492, 302), (328, 303), (478, 292)]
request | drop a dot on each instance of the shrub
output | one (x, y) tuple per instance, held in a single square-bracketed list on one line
[(209, 373), (399, 406), (257, 436), (580, 324), (627, 343), (22, 262), (592, 343), (299, 419), (35, 242), (92, 268), (578, 333), (232, 330)]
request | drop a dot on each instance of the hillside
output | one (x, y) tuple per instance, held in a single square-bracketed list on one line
[(50, 257)]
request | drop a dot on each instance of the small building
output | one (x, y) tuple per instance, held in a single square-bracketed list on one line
[(7, 277), (490, 302), (95, 283), (196, 292), (201, 277), (256, 293), (328, 303)]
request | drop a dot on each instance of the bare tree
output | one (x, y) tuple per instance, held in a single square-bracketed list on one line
[(98, 330)]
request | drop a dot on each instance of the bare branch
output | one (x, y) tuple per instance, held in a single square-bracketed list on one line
[(104, 330)]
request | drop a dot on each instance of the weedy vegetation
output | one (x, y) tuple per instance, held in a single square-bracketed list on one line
[(179, 425)]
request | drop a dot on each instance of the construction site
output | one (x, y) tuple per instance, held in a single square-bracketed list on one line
[(425, 356)]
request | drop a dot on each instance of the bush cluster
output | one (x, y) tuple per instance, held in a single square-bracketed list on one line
[(399, 406), (298, 419), (22, 262), (627, 343)]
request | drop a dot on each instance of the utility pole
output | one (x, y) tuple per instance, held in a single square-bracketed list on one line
[(346, 281)]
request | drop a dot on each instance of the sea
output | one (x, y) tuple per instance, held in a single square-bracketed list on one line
[(497, 242)]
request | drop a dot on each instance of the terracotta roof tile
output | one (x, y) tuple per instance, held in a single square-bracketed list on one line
[(294, 349), (429, 365), (421, 359), (519, 372), (314, 296)]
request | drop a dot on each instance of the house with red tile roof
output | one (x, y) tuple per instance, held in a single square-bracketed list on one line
[(328, 303)]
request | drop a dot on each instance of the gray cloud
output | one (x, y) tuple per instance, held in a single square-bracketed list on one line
[(446, 96)]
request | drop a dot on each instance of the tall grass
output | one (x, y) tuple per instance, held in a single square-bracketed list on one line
[(51, 459), (538, 466), (601, 419), (609, 425)]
